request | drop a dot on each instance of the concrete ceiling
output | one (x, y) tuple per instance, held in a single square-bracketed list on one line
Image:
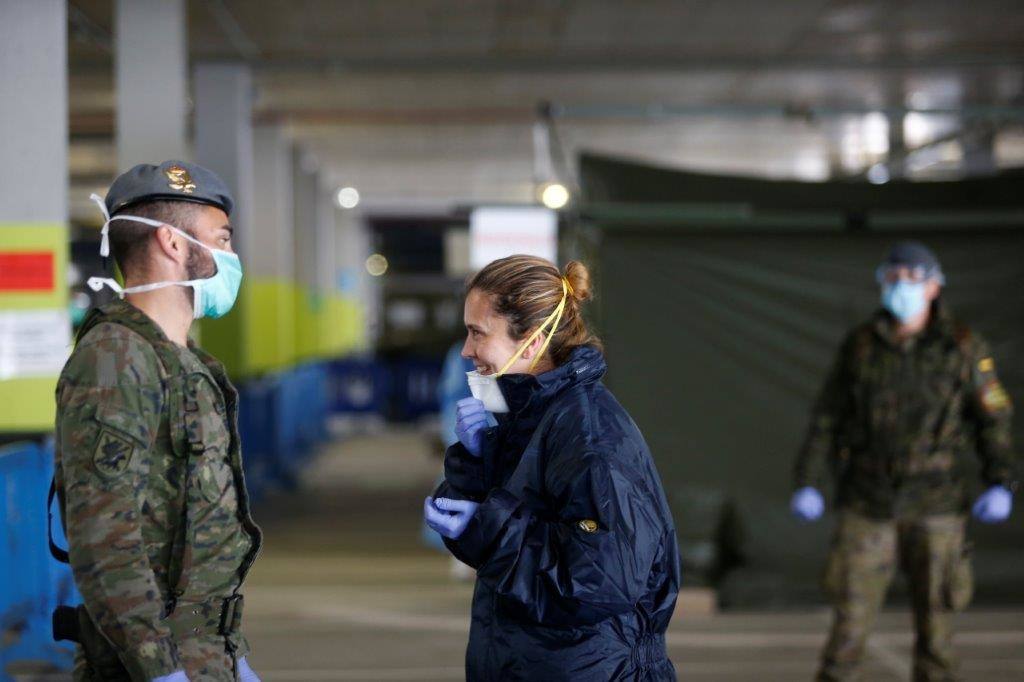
[(558, 34), (745, 85)]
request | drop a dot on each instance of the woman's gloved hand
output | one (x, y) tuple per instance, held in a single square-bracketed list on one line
[(245, 673), (470, 422), (994, 505), (176, 676), (807, 504), (447, 516)]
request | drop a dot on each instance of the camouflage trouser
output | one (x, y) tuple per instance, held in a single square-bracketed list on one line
[(934, 557)]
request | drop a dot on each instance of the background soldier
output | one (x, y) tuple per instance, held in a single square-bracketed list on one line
[(911, 390), (148, 466)]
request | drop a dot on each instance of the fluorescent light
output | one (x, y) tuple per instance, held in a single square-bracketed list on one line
[(348, 197)]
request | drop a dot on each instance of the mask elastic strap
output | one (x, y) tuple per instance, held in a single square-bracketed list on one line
[(97, 283), (105, 230), (558, 318), (556, 315)]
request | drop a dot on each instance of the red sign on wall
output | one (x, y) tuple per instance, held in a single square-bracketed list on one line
[(26, 271)]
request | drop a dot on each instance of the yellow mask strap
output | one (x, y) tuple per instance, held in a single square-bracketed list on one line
[(555, 316)]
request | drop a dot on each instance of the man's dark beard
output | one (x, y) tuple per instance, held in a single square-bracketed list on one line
[(199, 263)]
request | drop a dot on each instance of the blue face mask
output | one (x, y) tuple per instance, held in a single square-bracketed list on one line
[(905, 300), (212, 296)]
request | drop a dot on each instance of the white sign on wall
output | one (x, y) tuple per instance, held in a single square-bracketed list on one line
[(33, 343), (499, 231)]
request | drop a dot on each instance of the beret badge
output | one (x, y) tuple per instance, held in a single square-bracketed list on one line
[(179, 179)]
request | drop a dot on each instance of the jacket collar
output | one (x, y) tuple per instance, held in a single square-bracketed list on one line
[(586, 365), (118, 308)]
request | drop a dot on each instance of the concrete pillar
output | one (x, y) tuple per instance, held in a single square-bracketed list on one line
[(150, 58), (270, 267), (34, 327), (326, 229), (224, 137), (224, 144), (306, 221), (273, 241), (33, 118), (352, 248), (305, 218)]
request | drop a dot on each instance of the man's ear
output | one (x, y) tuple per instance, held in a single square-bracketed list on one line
[(171, 244), (934, 289)]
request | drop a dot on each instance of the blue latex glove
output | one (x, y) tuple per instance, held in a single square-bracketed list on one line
[(470, 422), (447, 516), (245, 673), (807, 504), (177, 676), (993, 505)]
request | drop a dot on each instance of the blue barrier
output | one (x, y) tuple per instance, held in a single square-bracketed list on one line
[(415, 388), (358, 386), (256, 417), (32, 584), (282, 418)]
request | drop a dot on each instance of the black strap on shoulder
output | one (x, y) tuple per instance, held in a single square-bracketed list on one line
[(56, 552)]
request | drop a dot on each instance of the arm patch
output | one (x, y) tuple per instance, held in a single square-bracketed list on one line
[(113, 453)]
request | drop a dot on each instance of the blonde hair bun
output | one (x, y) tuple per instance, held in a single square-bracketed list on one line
[(578, 277)]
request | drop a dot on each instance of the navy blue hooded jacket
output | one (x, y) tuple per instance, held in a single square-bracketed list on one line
[(573, 542)]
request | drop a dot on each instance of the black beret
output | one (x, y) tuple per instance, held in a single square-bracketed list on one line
[(170, 181), (914, 255)]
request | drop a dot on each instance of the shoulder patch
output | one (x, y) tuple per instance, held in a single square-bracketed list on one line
[(587, 525), (994, 397), (986, 365), (113, 453)]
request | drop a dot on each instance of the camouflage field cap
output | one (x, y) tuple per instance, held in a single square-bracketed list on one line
[(170, 181)]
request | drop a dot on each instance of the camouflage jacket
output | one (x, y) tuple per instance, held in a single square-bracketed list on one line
[(148, 468), (895, 420)]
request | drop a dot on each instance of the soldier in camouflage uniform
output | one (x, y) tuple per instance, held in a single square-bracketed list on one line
[(148, 463), (911, 392)]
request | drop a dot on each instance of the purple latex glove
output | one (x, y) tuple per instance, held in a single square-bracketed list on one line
[(470, 422), (994, 505), (447, 516), (807, 504), (176, 676)]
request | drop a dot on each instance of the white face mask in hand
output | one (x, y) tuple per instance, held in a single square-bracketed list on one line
[(485, 388)]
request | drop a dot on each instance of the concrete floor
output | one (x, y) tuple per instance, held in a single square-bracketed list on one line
[(345, 590)]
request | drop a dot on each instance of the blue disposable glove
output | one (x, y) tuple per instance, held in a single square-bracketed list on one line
[(245, 673), (993, 505), (177, 676), (447, 516), (807, 504), (470, 422)]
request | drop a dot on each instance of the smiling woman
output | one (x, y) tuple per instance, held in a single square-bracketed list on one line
[(558, 507), (514, 297)]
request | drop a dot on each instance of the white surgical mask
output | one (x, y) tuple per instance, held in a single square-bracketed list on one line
[(486, 389)]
